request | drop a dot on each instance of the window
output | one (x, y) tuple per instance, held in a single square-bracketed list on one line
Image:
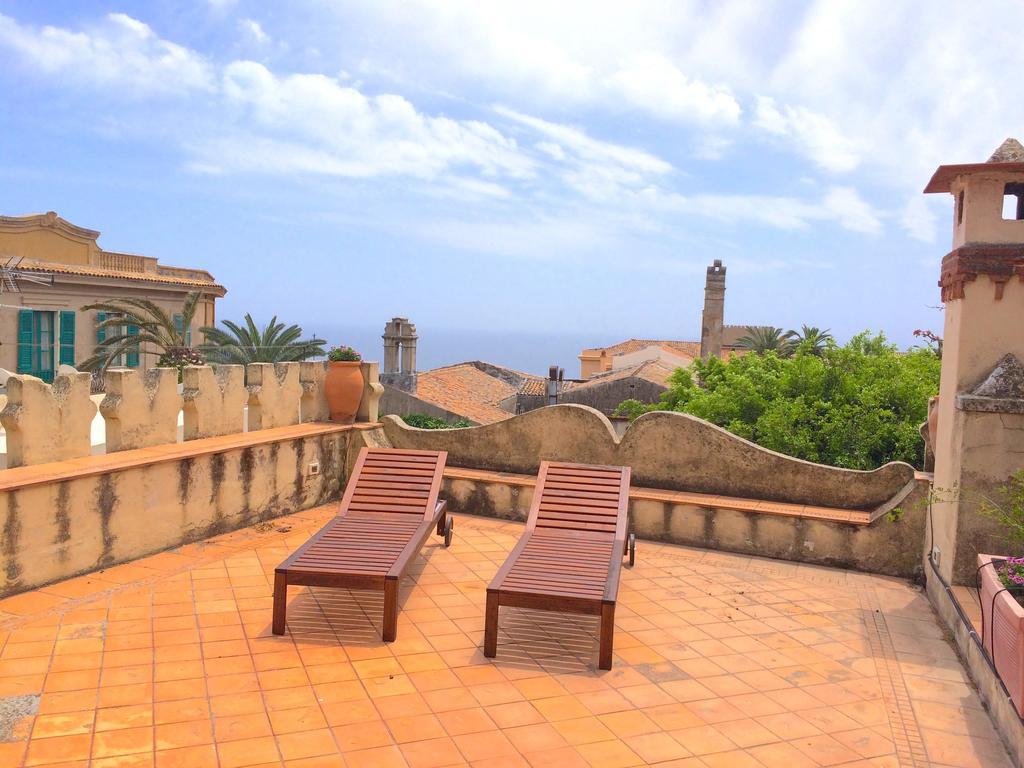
[(1013, 202), (124, 360), (36, 343), (179, 326)]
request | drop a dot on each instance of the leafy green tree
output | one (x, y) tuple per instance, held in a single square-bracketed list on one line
[(139, 326), (811, 338), (244, 344), (763, 339), (858, 405)]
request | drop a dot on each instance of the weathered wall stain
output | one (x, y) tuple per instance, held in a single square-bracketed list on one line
[(80, 524), (12, 536), (62, 520), (106, 500), (299, 446)]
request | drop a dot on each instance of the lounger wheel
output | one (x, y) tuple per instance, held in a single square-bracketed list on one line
[(632, 549), (448, 528)]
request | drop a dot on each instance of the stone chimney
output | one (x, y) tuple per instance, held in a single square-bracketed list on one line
[(399, 354), (713, 317)]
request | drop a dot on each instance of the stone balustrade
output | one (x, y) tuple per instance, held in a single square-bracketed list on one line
[(48, 423)]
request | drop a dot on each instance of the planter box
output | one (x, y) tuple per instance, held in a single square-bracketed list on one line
[(1003, 630)]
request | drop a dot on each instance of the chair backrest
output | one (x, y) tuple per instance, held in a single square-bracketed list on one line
[(581, 497), (392, 481)]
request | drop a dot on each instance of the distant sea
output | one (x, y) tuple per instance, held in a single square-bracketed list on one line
[(528, 352)]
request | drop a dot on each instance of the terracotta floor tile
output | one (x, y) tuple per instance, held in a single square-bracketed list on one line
[(124, 741), (609, 754), (781, 754), (345, 712), (535, 738), (483, 746), (414, 728), (235, 754), (360, 736), (204, 756), (296, 720), (58, 749), (381, 757), (721, 660), (657, 748), (702, 739), (190, 733), (65, 724), (294, 746)]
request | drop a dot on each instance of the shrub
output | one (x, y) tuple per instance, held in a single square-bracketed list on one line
[(422, 421), (343, 354), (857, 406)]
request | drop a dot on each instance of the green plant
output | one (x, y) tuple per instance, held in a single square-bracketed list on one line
[(422, 421), (895, 514), (343, 354), (1008, 508), (139, 326), (858, 405), (809, 338), (245, 343), (766, 339)]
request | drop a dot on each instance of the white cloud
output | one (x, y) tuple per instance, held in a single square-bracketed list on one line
[(812, 134), (918, 220), (121, 52), (252, 28), (652, 82), (315, 124), (840, 205)]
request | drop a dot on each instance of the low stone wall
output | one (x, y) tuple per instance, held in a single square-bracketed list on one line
[(669, 451), (68, 518), (815, 535), (47, 423)]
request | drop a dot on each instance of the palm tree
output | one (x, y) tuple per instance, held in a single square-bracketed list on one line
[(810, 337), (765, 338), (248, 344), (139, 326)]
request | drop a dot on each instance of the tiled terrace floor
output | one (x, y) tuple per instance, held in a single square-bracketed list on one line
[(721, 661)]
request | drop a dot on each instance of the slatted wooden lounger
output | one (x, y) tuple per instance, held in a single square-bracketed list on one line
[(570, 556), (389, 508)]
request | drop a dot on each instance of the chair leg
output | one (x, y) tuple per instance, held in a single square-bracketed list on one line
[(390, 610), (280, 602), (441, 523), (607, 636), (491, 626)]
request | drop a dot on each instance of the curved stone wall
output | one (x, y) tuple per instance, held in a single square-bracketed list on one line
[(667, 450)]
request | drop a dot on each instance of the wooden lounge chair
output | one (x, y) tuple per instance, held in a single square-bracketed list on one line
[(389, 509), (570, 556)]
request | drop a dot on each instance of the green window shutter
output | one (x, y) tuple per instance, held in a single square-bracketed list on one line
[(25, 339), (132, 358), (101, 333), (180, 329), (67, 338)]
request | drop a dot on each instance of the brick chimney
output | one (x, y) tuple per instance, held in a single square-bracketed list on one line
[(713, 317)]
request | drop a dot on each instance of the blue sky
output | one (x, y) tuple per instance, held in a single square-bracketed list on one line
[(538, 168)]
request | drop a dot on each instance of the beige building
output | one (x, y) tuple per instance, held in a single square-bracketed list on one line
[(42, 325)]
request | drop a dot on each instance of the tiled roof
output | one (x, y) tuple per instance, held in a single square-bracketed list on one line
[(688, 348), (654, 371), (539, 386), (466, 390), (121, 274)]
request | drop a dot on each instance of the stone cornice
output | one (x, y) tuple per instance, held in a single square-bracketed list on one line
[(49, 220), (999, 262)]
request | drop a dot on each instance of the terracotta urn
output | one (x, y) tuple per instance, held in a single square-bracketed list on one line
[(1003, 629), (343, 387)]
